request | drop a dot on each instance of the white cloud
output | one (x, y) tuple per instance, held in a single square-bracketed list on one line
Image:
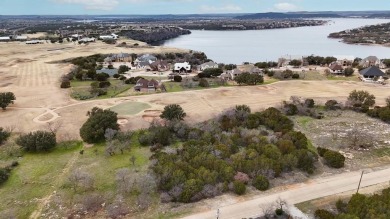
[(285, 6), (105, 5), (225, 8)]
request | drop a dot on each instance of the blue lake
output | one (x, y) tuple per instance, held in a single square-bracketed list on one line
[(267, 45)]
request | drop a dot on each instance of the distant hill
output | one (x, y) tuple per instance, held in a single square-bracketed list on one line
[(295, 15)]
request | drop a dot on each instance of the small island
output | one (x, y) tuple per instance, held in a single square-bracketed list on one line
[(374, 34)]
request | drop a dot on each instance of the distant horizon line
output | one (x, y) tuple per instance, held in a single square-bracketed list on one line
[(170, 14)]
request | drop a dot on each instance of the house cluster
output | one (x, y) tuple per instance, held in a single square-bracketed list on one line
[(231, 74), (13, 38), (342, 62)]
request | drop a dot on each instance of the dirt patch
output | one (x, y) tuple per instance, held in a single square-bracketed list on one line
[(123, 121), (152, 115), (5, 85)]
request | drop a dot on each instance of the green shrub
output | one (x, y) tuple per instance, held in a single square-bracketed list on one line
[(334, 159), (4, 175), (65, 84), (322, 151), (332, 105), (239, 187), (104, 84), (37, 141), (323, 214), (177, 78), (295, 76), (309, 103), (279, 212), (203, 83), (291, 109), (261, 183), (4, 135)]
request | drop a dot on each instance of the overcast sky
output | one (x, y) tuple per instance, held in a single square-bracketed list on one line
[(82, 7)]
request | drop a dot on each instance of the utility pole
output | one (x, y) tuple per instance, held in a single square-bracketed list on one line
[(361, 177), (218, 213)]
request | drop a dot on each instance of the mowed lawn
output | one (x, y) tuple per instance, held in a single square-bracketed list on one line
[(130, 108), (81, 89)]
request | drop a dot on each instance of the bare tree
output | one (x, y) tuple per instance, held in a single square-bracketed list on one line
[(118, 208), (356, 138), (123, 180), (53, 127), (132, 159), (81, 179), (267, 210)]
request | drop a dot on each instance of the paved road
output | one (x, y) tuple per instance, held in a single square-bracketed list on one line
[(299, 193)]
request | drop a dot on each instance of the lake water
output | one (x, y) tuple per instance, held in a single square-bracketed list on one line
[(268, 45)]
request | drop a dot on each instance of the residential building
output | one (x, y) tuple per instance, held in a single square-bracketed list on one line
[(345, 60), (371, 73), (285, 60), (160, 65), (144, 85), (184, 67), (207, 65), (336, 68), (371, 61)]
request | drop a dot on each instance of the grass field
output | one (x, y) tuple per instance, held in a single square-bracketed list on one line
[(80, 89), (41, 176), (33, 179), (130, 108)]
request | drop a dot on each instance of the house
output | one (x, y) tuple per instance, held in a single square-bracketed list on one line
[(184, 67), (371, 61), (256, 70), (112, 37), (110, 72), (144, 61), (160, 66), (144, 85), (231, 74), (146, 58), (35, 42), (121, 57), (207, 65), (345, 60), (371, 73), (87, 40), (285, 60), (21, 38), (5, 38), (336, 68)]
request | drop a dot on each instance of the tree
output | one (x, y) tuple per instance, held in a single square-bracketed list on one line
[(6, 98), (122, 69), (65, 84), (249, 79), (37, 141), (102, 77), (361, 100), (296, 63), (349, 72), (99, 121), (239, 187), (173, 112)]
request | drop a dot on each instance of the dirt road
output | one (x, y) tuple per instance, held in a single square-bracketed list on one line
[(313, 189)]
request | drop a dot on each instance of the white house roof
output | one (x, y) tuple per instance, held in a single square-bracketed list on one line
[(5, 38), (21, 37), (184, 65)]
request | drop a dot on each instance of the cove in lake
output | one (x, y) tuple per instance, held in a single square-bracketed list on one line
[(268, 45)]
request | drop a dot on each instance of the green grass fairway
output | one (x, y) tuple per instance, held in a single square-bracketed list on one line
[(130, 108)]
